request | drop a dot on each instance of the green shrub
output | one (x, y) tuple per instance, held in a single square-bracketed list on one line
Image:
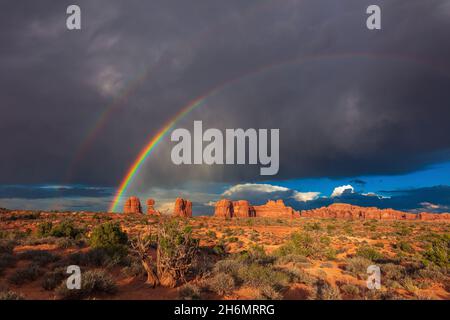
[(211, 234), (404, 246), (369, 253), (438, 251), (93, 283), (313, 226), (44, 229), (255, 253), (109, 236), (66, 229), (300, 244)]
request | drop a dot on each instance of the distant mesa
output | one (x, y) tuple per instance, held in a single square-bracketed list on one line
[(183, 208), (342, 210)]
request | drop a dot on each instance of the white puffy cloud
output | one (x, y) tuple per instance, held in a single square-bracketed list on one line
[(253, 187), (373, 194), (261, 192), (305, 196), (433, 207), (338, 191)]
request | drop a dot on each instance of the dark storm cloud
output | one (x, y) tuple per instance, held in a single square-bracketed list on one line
[(385, 111), (49, 191)]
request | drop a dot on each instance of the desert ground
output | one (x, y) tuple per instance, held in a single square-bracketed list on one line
[(239, 258)]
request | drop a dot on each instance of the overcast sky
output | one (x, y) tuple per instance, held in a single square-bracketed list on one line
[(351, 104)]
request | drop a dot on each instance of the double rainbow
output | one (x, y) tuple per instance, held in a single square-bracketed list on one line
[(155, 140)]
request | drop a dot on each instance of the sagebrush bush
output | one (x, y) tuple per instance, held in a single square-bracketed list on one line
[(7, 246), (393, 272), (189, 292), (269, 293), (292, 258), (40, 257), (54, 278), (222, 283), (325, 291), (10, 295), (357, 266), (300, 276), (93, 283), (350, 290), (97, 257), (27, 274), (7, 260), (228, 266), (134, 269), (256, 275)]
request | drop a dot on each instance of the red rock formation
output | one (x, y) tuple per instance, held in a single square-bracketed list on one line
[(183, 208), (434, 216), (341, 210), (224, 209), (150, 208), (132, 205), (242, 209), (275, 209)]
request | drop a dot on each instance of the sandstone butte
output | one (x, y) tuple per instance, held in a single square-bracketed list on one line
[(183, 208), (132, 205), (225, 208)]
